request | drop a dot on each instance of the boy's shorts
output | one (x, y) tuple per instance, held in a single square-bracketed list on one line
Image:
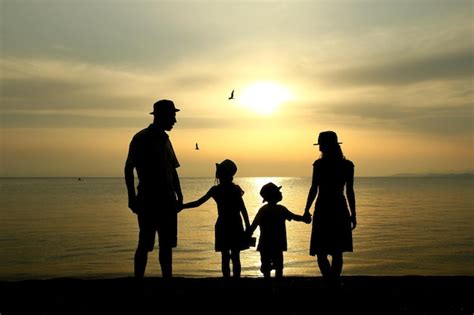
[(271, 260)]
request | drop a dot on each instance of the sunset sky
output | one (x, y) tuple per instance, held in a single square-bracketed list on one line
[(393, 78)]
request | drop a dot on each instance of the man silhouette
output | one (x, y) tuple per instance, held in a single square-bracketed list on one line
[(158, 194)]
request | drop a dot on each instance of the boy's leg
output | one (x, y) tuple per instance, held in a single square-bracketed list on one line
[(278, 264), (266, 266)]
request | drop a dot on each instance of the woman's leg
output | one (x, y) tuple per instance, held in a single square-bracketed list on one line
[(337, 262), (324, 265)]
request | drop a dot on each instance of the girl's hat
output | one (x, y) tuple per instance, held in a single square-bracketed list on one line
[(268, 190), (327, 138), (227, 167)]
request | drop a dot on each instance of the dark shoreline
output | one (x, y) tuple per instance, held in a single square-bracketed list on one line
[(291, 295)]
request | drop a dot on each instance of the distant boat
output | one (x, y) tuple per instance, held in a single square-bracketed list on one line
[(197, 146), (231, 97), (79, 178)]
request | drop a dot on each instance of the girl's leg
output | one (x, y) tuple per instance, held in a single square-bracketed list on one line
[(236, 267), (225, 263)]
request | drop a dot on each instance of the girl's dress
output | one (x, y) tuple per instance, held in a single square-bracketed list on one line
[(229, 230), (331, 230)]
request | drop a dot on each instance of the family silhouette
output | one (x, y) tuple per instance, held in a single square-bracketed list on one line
[(158, 199)]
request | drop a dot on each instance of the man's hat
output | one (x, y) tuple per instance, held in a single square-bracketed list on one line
[(227, 166), (268, 190), (327, 138), (164, 107)]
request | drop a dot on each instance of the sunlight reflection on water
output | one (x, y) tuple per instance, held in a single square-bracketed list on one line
[(59, 227)]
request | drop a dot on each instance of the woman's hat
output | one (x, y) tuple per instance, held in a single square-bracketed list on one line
[(327, 138), (268, 190), (227, 167)]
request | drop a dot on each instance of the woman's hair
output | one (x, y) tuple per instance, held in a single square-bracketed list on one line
[(332, 152)]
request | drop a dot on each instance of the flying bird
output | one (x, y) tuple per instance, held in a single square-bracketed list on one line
[(197, 146), (231, 97)]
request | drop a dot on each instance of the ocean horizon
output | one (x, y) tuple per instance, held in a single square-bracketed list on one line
[(65, 227)]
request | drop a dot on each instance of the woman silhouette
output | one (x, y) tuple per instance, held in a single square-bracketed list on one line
[(333, 223)]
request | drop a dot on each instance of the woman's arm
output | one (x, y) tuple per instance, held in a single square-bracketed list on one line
[(313, 191), (351, 198)]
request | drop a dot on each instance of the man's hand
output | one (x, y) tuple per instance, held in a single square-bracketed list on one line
[(133, 204), (179, 205)]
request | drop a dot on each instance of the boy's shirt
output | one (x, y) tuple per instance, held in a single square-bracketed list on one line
[(271, 220)]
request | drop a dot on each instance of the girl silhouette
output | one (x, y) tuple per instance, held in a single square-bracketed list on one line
[(229, 232)]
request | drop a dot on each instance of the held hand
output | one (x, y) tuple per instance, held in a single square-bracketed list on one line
[(307, 217), (353, 221)]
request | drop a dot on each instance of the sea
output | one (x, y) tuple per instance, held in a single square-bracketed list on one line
[(82, 228)]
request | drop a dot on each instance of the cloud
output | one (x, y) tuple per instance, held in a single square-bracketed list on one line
[(439, 120), (455, 65), (45, 84), (66, 120)]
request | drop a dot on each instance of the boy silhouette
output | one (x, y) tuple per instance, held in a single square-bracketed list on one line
[(271, 218)]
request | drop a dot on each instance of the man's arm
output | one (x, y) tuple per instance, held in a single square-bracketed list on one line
[(177, 187), (130, 178), (130, 183)]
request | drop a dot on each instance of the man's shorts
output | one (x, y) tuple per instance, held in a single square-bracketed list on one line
[(164, 221)]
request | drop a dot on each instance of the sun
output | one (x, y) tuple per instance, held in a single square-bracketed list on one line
[(264, 97)]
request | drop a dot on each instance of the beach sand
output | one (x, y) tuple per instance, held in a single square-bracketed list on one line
[(291, 295)]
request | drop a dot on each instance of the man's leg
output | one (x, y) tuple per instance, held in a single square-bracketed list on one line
[(141, 257), (146, 241), (166, 261)]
